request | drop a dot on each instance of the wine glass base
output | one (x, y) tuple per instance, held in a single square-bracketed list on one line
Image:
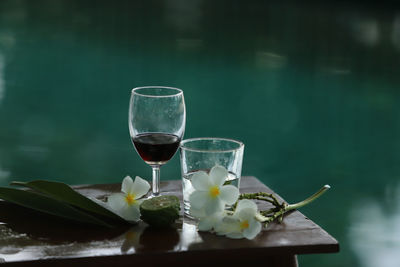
[(154, 195)]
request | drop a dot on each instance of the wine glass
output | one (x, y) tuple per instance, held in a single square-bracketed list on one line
[(157, 118)]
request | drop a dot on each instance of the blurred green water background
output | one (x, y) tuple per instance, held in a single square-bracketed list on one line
[(311, 88)]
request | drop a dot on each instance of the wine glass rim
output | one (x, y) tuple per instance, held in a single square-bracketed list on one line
[(177, 91), (183, 147)]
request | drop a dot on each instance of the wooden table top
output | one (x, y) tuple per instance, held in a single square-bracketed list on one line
[(31, 238)]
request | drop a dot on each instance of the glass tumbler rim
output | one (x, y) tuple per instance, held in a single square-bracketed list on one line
[(174, 91), (240, 145)]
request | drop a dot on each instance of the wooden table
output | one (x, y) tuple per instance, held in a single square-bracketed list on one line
[(30, 238)]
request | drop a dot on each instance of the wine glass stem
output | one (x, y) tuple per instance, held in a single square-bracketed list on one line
[(156, 180)]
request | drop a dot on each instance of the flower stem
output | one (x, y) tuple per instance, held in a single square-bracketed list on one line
[(261, 196), (309, 199), (266, 218)]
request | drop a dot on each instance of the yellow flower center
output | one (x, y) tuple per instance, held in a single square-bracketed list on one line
[(244, 225), (214, 191), (130, 199)]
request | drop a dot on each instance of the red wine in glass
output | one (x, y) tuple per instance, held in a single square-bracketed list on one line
[(156, 148)]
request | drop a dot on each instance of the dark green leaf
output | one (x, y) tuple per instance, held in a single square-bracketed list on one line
[(45, 204), (64, 193)]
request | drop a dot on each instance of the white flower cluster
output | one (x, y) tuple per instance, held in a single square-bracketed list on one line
[(208, 202)]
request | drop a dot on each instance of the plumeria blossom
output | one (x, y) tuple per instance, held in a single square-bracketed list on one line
[(127, 203), (242, 223), (207, 223), (211, 195)]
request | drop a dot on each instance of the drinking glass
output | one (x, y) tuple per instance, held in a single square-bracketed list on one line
[(157, 118), (201, 154)]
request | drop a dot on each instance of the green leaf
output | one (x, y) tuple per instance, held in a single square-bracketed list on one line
[(48, 205), (64, 193)]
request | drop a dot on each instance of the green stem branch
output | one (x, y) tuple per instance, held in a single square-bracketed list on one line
[(280, 209), (309, 199)]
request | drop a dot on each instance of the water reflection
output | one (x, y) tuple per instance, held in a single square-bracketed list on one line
[(375, 230), (366, 31), (150, 239), (2, 81), (189, 44), (131, 239), (270, 60), (4, 174), (184, 16), (189, 235), (333, 65), (396, 32)]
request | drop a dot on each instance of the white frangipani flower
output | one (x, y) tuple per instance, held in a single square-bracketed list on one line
[(207, 223), (242, 223), (127, 203), (211, 195)]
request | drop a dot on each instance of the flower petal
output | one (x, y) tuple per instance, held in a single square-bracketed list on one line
[(206, 224), (253, 229), (229, 194), (246, 203), (198, 213), (116, 201), (198, 199), (201, 181), (213, 205), (131, 213), (139, 202), (140, 187), (209, 222), (246, 214), (218, 175), (127, 184), (227, 225)]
